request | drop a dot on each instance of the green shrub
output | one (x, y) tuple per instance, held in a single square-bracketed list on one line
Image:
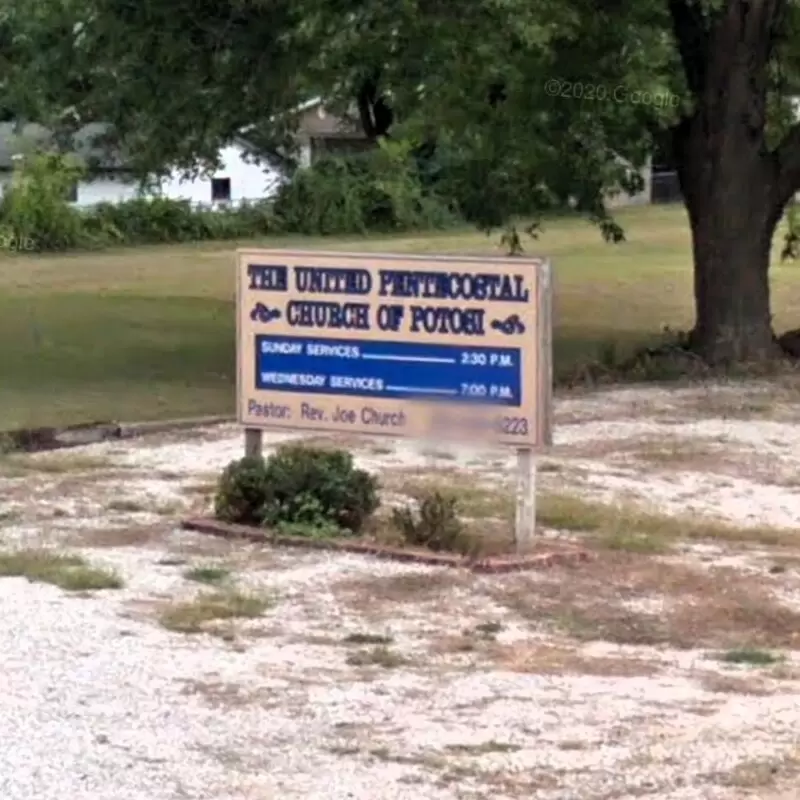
[(379, 190), (242, 492), (318, 488), (160, 220), (35, 207), (298, 490), (436, 524)]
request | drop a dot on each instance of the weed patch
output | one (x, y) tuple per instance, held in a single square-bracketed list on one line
[(752, 656), (436, 525), (379, 656), (367, 638), (475, 501), (624, 522), (18, 465), (200, 614), (210, 574), (69, 572), (125, 505)]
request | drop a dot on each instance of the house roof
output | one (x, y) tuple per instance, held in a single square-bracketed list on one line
[(85, 140), (316, 122), (13, 143)]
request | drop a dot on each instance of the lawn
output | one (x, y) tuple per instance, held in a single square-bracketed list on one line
[(148, 333)]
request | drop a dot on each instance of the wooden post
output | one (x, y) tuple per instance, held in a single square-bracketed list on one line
[(525, 523), (253, 443)]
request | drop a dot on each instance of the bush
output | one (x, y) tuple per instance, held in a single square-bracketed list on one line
[(242, 492), (379, 190), (298, 490), (160, 220), (436, 524), (35, 207)]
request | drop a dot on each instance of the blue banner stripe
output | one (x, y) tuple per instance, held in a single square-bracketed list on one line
[(399, 370)]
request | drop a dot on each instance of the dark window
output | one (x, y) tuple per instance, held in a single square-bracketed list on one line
[(72, 193), (220, 190), (338, 146), (665, 188)]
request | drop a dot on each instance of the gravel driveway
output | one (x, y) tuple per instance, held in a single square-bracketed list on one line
[(376, 681)]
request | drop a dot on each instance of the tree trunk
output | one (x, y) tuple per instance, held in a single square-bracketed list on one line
[(730, 181), (733, 223)]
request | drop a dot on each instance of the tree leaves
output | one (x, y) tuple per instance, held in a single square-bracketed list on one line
[(178, 80)]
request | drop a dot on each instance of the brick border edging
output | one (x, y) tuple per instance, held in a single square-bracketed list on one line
[(41, 440), (487, 566)]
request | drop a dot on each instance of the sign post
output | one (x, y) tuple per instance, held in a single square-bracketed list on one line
[(412, 347)]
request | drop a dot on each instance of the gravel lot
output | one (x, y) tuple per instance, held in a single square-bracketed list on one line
[(376, 681)]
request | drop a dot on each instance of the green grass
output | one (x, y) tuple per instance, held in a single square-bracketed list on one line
[(211, 574), (632, 528), (378, 656), (69, 572), (200, 614), (751, 656), (148, 333)]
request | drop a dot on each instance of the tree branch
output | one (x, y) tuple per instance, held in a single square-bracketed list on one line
[(688, 25), (788, 158)]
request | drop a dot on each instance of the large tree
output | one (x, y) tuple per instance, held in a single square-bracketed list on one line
[(477, 79)]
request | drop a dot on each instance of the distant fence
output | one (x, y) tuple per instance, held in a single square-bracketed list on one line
[(665, 188)]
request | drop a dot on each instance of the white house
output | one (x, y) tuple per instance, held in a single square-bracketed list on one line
[(237, 180)]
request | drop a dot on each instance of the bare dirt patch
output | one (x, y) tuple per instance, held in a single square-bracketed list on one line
[(759, 773), (381, 593), (227, 696), (665, 451), (704, 455), (552, 659), (627, 598), (149, 536), (727, 683)]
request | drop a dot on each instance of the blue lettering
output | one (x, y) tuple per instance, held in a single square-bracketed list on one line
[(459, 321), (331, 280), (390, 317), (465, 287), (312, 314), (268, 278), (390, 280)]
